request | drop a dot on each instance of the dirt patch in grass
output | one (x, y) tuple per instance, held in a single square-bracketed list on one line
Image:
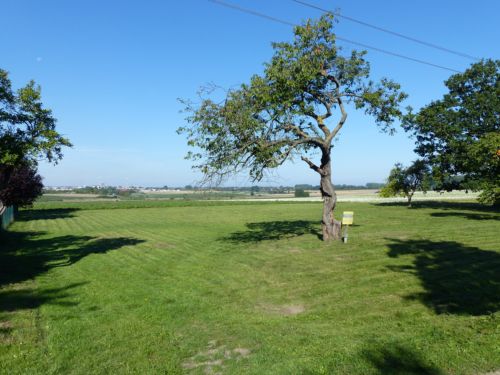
[(5, 325), (243, 352), (5, 330), (213, 358), (163, 245), (285, 310)]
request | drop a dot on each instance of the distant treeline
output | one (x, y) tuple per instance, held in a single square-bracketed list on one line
[(369, 185), (106, 191), (119, 191), (289, 189)]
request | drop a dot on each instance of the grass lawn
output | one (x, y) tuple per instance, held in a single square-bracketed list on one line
[(249, 289)]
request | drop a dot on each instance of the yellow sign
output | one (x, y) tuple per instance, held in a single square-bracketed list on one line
[(347, 218)]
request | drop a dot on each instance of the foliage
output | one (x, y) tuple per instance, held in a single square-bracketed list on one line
[(106, 191), (306, 187), (27, 129), (20, 185), (490, 195), (301, 193), (405, 181), (285, 113), (27, 134), (278, 115), (459, 135), (373, 185), (143, 290)]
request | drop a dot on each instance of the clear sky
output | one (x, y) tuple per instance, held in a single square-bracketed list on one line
[(112, 70)]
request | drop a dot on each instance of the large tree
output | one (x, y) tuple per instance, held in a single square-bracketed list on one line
[(27, 129), (295, 108), (27, 135), (459, 135)]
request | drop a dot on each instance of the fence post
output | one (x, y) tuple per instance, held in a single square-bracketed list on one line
[(7, 216)]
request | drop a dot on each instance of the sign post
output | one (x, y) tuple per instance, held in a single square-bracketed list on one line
[(347, 219)]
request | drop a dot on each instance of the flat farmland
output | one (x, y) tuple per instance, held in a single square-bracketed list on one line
[(249, 288)]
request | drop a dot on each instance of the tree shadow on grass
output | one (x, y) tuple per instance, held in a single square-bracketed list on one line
[(28, 298), (447, 209), (24, 255), (46, 214), (442, 205), (468, 215), (24, 297), (275, 230), (457, 279), (396, 359)]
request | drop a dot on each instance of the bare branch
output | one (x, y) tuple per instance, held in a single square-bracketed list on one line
[(350, 95), (303, 135), (313, 166), (332, 78), (340, 123), (326, 104)]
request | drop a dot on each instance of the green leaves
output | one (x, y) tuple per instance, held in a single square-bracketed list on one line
[(27, 130), (460, 134), (287, 110), (405, 181), (382, 102)]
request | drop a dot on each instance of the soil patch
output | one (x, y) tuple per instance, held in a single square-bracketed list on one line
[(285, 310), (213, 358)]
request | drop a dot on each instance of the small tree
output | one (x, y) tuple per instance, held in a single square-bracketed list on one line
[(406, 181), (285, 113), (21, 185), (301, 193)]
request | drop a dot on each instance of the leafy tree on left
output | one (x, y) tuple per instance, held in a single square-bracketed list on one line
[(27, 135)]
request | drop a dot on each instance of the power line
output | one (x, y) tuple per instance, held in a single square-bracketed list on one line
[(283, 22), (415, 40)]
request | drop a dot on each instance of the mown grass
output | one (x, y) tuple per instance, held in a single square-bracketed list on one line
[(125, 204), (249, 288), (192, 196)]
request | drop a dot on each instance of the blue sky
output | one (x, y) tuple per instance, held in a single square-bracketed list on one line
[(112, 71)]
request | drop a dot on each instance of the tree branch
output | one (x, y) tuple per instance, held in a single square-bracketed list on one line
[(313, 166), (340, 102), (325, 104), (340, 123), (303, 135)]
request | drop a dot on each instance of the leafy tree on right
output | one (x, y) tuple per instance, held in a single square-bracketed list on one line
[(459, 135)]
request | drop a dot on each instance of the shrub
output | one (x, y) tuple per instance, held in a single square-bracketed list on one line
[(301, 193)]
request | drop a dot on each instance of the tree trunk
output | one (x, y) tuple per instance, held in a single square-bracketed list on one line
[(409, 199), (330, 227)]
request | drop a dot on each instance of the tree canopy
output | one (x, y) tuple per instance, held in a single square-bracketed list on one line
[(405, 181), (283, 112), (295, 108), (459, 135), (27, 129), (21, 185), (27, 135)]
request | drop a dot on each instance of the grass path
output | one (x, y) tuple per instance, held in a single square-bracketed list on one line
[(242, 288)]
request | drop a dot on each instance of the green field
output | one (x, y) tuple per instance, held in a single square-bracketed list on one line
[(173, 287)]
